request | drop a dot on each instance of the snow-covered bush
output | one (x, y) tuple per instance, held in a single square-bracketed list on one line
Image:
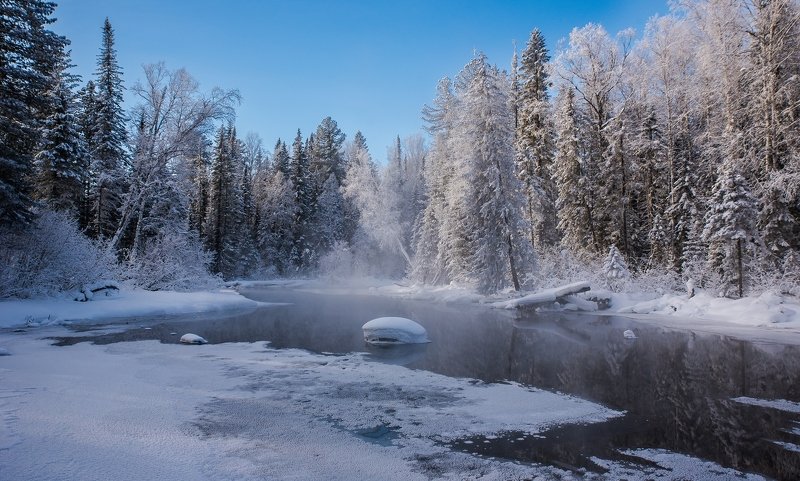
[(51, 255), (616, 270), (173, 261), (557, 267)]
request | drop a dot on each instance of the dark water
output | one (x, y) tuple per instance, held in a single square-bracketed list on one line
[(675, 386)]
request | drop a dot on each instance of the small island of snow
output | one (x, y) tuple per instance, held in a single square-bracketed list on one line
[(394, 330)]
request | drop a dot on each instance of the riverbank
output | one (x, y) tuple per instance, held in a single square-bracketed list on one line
[(123, 304)]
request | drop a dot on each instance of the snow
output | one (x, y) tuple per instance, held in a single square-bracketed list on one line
[(768, 309), (671, 466), (779, 404), (147, 410), (628, 334), (192, 339), (394, 330), (126, 303), (544, 296), (4, 352)]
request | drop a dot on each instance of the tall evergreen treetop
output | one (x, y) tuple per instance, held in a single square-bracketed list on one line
[(110, 129)]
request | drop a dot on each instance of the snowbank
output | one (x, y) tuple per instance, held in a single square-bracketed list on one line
[(768, 309), (133, 303)]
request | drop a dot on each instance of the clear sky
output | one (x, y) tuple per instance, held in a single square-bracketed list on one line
[(370, 65)]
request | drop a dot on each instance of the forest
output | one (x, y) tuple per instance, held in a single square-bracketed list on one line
[(668, 157)]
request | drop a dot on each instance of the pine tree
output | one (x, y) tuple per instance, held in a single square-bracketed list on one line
[(303, 186), (280, 158), (30, 56), (534, 140), (219, 221), (325, 153), (109, 138), (571, 203), (276, 210), (730, 227), (493, 205), (62, 156)]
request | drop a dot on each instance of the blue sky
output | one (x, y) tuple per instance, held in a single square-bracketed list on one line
[(370, 65)]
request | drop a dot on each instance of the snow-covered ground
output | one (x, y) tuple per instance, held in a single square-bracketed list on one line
[(126, 303), (146, 410)]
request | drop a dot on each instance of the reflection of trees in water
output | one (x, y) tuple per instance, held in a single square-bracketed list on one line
[(679, 384)]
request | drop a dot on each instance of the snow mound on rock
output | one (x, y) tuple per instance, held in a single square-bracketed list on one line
[(394, 330), (192, 339)]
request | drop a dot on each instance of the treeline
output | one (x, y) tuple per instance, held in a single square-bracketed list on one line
[(677, 153)]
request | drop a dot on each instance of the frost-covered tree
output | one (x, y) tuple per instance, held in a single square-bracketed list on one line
[(61, 159), (224, 213), (173, 117), (534, 141), (730, 228), (325, 153), (280, 158), (594, 65), (572, 200), (108, 154), (303, 187), (30, 56), (430, 264), (615, 269), (274, 200)]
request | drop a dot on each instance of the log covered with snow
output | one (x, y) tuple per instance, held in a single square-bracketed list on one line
[(394, 330), (565, 294)]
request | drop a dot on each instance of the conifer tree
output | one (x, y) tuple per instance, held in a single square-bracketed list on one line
[(303, 186), (30, 56), (534, 140), (492, 200), (571, 203), (61, 158), (280, 158), (730, 229), (108, 139)]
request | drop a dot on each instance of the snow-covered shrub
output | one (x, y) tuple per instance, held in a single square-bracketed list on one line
[(616, 270), (173, 261), (52, 255), (557, 267)]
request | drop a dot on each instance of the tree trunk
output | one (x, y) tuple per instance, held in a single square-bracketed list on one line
[(513, 266), (739, 266)]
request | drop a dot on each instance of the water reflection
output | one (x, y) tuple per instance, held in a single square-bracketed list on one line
[(675, 386)]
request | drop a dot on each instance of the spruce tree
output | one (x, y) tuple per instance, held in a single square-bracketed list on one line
[(61, 158), (493, 225), (303, 186), (109, 138), (280, 158), (30, 57), (534, 141), (571, 203), (730, 228)]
